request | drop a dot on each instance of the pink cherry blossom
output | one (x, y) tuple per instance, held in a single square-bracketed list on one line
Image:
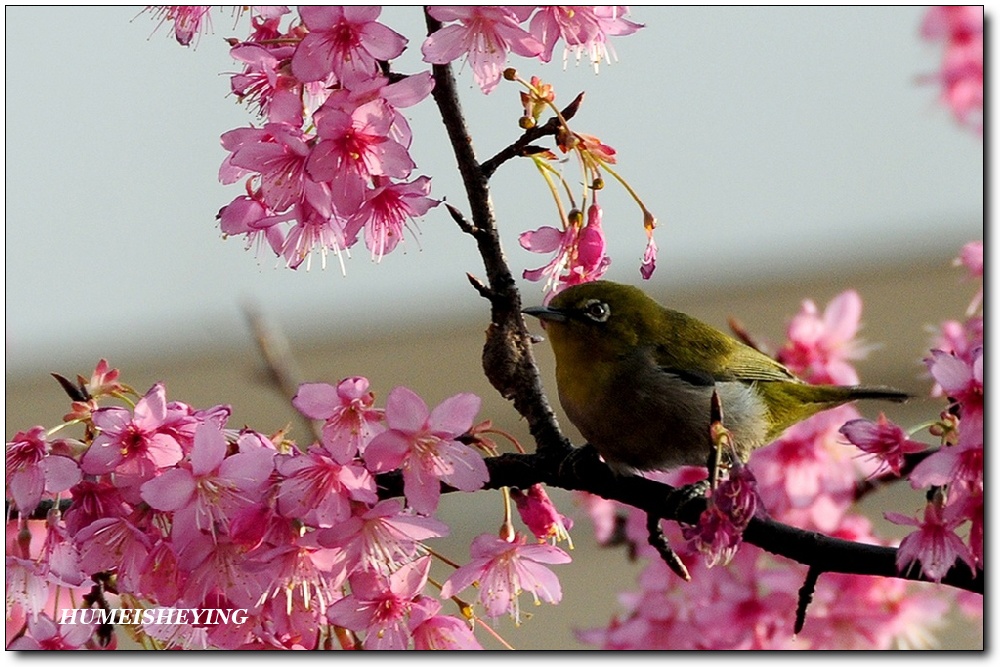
[(386, 210), (432, 631), (935, 544), (719, 531), (585, 30), (580, 252), (318, 490), (971, 258), (884, 440), (357, 144), (114, 544), (506, 568), (278, 153), (187, 20), (350, 418), (962, 68), (423, 443), (45, 635), (346, 41), (133, 445), (380, 606), (382, 538), (820, 347), (31, 470), (483, 35), (215, 487), (962, 381)]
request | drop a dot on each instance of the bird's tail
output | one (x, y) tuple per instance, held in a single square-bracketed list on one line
[(791, 402), (877, 393)]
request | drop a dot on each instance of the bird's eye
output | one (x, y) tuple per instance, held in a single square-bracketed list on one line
[(597, 310)]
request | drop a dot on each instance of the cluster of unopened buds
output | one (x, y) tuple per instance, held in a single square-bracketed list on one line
[(170, 507)]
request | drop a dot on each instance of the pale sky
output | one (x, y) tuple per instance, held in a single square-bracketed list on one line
[(766, 140)]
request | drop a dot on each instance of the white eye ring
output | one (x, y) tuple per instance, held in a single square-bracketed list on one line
[(597, 310)]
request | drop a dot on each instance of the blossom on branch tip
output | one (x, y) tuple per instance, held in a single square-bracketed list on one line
[(540, 515), (187, 19)]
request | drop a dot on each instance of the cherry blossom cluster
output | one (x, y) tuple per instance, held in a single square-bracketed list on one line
[(808, 479), (330, 163), (953, 474), (172, 507), (961, 77)]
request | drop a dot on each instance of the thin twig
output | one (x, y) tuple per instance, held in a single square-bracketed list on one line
[(283, 371), (523, 146)]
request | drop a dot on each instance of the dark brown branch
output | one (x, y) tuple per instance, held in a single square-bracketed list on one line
[(508, 361), (658, 541), (583, 471), (522, 146)]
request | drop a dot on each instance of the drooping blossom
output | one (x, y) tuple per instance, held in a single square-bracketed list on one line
[(187, 19), (820, 347), (423, 443), (962, 66), (934, 544), (380, 606), (31, 469), (882, 439), (540, 515), (504, 569), (383, 538), (585, 30), (386, 211), (347, 41), (483, 35), (348, 412), (580, 251), (720, 527)]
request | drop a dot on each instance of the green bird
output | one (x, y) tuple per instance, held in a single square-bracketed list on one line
[(637, 380)]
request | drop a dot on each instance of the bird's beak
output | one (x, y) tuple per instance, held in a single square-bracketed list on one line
[(545, 313)]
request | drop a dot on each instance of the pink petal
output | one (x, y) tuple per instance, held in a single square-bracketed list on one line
[(316, 400), (169, 491), (405, 411), (209, 449), (422, 490), (455, 415), (842, 315), (541, 240), (386, 451), (61, 472), (469, 470), (445, 45)]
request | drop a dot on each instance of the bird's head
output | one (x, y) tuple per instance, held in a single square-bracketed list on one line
[(600, 318)]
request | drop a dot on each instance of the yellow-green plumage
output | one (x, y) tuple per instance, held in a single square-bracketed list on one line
[(637, 378)]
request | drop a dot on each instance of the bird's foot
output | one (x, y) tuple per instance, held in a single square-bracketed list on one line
[(682, 496)]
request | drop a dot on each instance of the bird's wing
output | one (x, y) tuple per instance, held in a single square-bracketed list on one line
[(741, 363)]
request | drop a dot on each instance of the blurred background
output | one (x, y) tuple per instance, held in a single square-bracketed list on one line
[(788, 153)]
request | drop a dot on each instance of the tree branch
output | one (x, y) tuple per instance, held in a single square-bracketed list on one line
[(508, 361)]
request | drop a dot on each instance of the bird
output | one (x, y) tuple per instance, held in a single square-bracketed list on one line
[(637, 380)]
